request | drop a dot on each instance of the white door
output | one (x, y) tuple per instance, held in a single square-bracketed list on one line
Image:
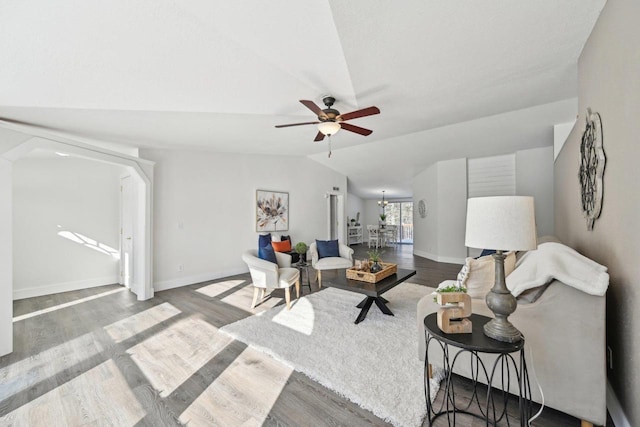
[(126, 231)]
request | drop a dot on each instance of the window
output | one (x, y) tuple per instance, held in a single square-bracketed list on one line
[(401, 214)]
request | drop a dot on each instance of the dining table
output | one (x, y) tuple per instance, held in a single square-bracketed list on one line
[(387, 234)]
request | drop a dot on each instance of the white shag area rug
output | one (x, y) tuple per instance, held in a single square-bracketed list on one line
[(374, 364)]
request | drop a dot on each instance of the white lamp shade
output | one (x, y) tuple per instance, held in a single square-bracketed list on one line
[(502, 223), (329, 128)]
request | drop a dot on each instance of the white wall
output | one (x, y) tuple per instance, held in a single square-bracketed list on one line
[(205, 209), (609, 85), (452, 210), (371, 212), (354, 205), (425, 230), (54, 197), (534, 177), (560, 134), (6, 277), (440, 236)]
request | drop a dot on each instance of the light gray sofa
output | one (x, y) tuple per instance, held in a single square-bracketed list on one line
[(565, 330)]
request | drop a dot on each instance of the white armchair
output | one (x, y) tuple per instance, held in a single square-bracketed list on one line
[(267, 275), (345, 260)]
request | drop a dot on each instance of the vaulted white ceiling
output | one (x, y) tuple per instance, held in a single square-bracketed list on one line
[(452, 79)]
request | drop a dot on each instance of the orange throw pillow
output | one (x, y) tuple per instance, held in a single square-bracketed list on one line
[(284, 246)]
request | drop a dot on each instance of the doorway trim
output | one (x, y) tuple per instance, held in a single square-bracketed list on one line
[(141, 169)]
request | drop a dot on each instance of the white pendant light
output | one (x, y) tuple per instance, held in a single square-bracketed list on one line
[(329, 128)]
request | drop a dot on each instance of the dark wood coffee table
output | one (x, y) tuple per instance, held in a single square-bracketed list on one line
[(373, 291)]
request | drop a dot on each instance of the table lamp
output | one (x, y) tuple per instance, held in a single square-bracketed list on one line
[(505, 223)]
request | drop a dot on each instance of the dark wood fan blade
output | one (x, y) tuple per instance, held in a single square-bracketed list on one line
[(356, 129), (319, 137), (297, 124), (313, 107), (359, 113)]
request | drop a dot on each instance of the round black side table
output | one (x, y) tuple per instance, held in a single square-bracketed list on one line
[(492, 410)]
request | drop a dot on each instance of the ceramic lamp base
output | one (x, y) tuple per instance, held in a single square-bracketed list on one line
[(502, 303)]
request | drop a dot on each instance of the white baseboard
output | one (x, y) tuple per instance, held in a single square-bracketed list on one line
[(615, 409), (190, 280), (54, 288), (434, 257)]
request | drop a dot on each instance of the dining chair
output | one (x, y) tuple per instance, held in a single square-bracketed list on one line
[(374, 235), (391, 234)]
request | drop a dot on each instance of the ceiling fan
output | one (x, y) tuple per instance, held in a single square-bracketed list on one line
[(330, 121)]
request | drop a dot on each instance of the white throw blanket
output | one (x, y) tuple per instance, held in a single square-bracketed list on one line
[(557, 261)]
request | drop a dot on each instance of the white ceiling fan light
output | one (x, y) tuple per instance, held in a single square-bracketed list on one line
[(329, 128)]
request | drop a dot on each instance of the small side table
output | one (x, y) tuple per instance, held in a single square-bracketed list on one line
[(491, 410), (304, 265)]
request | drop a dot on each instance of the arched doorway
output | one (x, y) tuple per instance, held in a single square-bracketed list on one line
[(141, 172)]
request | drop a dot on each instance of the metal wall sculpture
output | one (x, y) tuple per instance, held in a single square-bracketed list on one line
[(592, 162)]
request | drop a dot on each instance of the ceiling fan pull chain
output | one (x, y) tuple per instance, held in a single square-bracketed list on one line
[(329, 136)]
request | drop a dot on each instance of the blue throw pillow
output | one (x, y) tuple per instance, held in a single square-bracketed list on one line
[(486, 252), (327, 248), (267, 253), (264, 240)]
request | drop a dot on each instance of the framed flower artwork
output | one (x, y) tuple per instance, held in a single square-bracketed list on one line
[(272, 210)]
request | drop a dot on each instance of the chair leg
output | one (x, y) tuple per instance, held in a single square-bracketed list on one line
[(255, 297), (298, 288), (262, 293), (287, 297), (319, 278)]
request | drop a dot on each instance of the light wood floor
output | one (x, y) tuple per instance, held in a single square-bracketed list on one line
[(100, 357)]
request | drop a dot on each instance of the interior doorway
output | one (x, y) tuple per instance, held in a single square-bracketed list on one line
[(141, 172), (126, 231), (336, 229)]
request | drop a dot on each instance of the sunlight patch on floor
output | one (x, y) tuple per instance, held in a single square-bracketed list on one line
[(134, 324), (25, 373), (240, 298), (215, 289), (300, 318), (243, 394), (88, 399), (66, 304), (171, 356), (243, 298)]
